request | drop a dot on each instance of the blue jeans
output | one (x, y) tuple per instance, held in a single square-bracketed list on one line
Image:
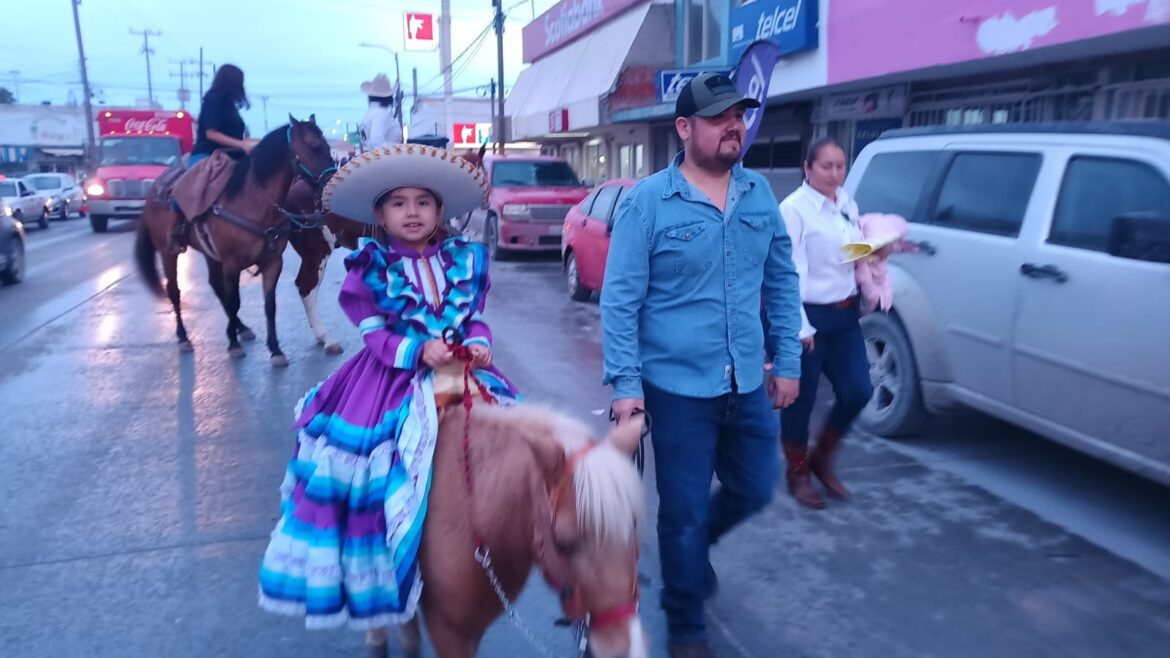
[(839, 353), (732, 436), (196, 157)]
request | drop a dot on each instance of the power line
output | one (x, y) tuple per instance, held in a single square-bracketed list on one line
[(474, 44)]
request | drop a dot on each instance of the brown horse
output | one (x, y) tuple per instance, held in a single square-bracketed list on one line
[(542, 492), (315, 235), (245, 227)]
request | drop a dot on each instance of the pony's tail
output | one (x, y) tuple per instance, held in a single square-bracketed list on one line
[(144, 253)]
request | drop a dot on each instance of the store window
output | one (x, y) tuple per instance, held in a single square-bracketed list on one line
[(704, 24)]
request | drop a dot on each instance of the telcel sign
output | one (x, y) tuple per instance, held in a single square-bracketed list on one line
[(790, 24)]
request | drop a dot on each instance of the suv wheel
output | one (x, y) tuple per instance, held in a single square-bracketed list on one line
[(491, 236), (577, 291), (896, 408), (15, 271)]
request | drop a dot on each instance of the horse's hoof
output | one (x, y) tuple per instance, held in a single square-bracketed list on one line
[(237, 352), (246, 335), (333, 348), (411, 639), (186, 346), (280, 360)]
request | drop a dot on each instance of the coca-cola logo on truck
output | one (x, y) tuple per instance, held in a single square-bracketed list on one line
[(156, 124)]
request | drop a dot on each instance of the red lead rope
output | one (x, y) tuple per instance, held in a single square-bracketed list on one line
[(462, 353)]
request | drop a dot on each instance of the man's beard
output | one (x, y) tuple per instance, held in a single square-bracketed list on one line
[(725, 160)]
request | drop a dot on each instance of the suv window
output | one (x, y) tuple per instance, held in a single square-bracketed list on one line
[(987, 192), (587, 202), (604, 202), (1097, 190), (893, 182)]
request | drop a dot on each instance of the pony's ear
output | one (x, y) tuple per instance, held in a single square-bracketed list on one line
[(627, 435), (292, 120), (313, 118)]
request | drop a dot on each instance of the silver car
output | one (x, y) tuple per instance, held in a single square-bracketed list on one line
[(1040, 293), (64, 192)]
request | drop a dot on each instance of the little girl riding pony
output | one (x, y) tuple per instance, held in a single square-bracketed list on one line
[(353, 500)]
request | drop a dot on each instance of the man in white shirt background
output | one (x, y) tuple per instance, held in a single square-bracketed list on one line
[(379, 127)]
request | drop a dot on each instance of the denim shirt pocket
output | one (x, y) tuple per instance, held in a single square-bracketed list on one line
[(688, 247), (757, 228)]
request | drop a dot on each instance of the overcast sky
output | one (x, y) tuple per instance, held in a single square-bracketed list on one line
[(302, 54)]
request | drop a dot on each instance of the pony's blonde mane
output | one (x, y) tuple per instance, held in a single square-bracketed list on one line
[(609, 495), (610, 498)]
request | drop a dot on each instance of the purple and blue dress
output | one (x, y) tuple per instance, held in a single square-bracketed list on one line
[(354, 496)]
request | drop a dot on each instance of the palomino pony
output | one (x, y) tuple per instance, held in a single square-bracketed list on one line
[(315, 234), (538, 490), (245, 227)]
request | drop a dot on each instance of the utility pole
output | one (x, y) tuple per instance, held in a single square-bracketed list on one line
[(184, 93), (90, 151), (499, 128), (414, 104), (147, 51), (200, 75), (493, 106), (445, 65), (398, 96), (264, 100)]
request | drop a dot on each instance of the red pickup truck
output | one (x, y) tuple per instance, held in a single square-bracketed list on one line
[(528, 199)]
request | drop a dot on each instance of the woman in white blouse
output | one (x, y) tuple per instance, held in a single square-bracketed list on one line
[(821, 218)]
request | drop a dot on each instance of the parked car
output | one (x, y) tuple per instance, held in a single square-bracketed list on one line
[(64, 192), (585, 242), (1040, 293), (20, 201), (528, 199), (11, 249)]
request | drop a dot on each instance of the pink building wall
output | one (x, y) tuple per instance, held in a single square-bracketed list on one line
[(869, 38)]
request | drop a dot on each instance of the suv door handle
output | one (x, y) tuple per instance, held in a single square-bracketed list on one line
[(924, 247), (1043, 272)]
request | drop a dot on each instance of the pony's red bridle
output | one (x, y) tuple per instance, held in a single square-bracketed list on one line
[(570, 593)]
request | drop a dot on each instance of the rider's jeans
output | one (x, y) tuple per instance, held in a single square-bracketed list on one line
[(733, 436)]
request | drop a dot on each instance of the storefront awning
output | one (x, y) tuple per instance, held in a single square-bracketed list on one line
[(573, 79), (64, 153)]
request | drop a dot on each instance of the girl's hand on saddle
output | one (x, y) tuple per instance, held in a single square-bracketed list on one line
[(481, 356), (436, 353)]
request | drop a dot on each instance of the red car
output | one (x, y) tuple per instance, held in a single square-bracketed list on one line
[(585, 244)]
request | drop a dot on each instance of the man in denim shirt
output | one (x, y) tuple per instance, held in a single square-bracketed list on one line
[(694, 247)]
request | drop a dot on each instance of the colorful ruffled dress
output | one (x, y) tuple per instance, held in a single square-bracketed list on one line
[(354, 496)]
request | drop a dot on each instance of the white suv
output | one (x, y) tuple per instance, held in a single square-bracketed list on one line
[(1041, 290)]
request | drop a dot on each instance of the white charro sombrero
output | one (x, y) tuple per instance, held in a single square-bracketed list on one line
[(379, 87), (352, 191)]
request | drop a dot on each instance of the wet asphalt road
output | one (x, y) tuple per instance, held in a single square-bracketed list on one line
[(140, 485)]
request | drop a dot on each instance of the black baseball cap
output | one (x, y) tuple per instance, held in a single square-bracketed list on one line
[(709, 95)]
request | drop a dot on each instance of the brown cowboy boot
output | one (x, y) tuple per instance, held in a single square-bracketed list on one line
[(821, 462), (799, 484)]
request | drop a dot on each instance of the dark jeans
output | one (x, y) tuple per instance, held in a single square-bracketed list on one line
[(732, 436), (839, 353)]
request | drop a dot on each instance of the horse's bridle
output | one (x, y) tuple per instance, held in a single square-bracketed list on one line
[(570, 593), (316, 181)]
